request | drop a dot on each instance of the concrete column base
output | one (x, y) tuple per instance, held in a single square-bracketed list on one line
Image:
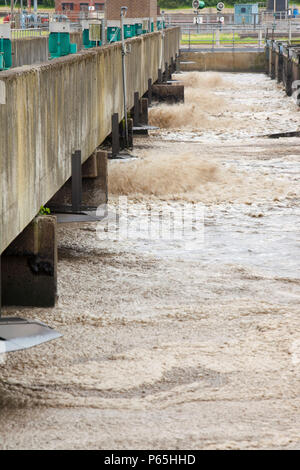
[(29, 266), (168, 93), (94, 185)]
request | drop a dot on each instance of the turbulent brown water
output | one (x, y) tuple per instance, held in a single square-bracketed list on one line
[(170, 342)]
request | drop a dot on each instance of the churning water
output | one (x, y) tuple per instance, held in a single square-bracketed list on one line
[(184, 338)]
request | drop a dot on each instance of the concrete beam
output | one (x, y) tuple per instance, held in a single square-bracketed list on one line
[(29, 266), (38, 155)]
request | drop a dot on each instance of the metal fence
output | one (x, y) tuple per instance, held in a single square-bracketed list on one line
[(210, 35), (29, 33)]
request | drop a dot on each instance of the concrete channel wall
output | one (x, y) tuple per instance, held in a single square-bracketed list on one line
[(283, 64), (50, 110), (237, 61), (34, 50)]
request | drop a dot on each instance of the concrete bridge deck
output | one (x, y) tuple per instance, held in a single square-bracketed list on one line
[(49, 110)]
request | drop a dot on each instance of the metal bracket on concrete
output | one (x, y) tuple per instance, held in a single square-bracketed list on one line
[(18, 333), (76, 182), (149, 91), (76, 212), (136, 109)]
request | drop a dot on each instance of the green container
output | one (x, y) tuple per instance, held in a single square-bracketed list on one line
[(138, 29), (113, 34), (5, 54), (86, 40), (128, 31), (152, 27), (160, 25), (60, 45)]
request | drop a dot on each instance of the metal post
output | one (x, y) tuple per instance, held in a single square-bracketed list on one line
[(0, 287), (123, 13), (149, 91), (35, 12), (290, 32), (159, 76), (115, 133), (218, 38), (162, 40), (76, 181), (11, 10), (136, 109)]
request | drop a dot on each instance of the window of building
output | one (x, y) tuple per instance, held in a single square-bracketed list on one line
[(99, 6), (243, 10), (67, 6), (84, 6)]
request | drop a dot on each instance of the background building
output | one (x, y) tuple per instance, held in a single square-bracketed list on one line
[(278, 5), (246, 13), (75, 6), (136, 9)]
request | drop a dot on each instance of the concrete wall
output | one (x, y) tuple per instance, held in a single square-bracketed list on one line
[(58, 107), (223, 61), (35, 50)]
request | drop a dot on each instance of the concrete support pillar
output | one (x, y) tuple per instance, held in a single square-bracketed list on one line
[(168, 93), (94, 180), (93, 186), (130, 133), (29, 266), (160, 77)]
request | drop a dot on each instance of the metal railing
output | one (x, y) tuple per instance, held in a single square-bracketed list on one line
[(29, 33), (210, 35)]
